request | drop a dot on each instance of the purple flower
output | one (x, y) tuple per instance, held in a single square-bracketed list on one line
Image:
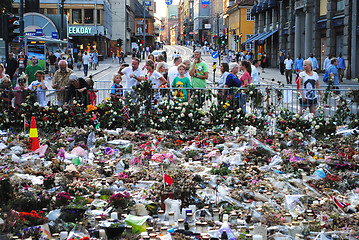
[(109, 151)]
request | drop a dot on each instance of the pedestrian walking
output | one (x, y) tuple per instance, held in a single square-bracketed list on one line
[(331, 74), (341, 67), (264, 61), (281, 63), (309, 85), (298, 64), (314, 61), (95, 59), (255, 73), (288, 62), (327, 62), (52, 60), (85, 62)]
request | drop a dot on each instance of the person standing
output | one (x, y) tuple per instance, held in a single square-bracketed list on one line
[(332, 72), (134, 74), (309, 84), (198, 71), (173, 71), (79, 60), (224, 73), (314, 61), (288, 62), (298, 64), (61, 81), (31, 70), (180, 82), (85, 62), (281, 63), (22, 63), (70, 62), (161, 58), (12, 66), (52, 60), (232, 79), (341, 67), (187, 63), (255, 73), (40, 86)]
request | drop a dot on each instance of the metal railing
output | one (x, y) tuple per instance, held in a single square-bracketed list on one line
[(254, 100)]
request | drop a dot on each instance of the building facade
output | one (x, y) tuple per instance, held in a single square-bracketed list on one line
[(170, 21), (186, 20), (89, 23), (305, 27), (240, 24), (123, 25), (201, 22), (146, 30)]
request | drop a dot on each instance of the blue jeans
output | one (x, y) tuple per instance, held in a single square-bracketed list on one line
[(86, 67), (242, 101)]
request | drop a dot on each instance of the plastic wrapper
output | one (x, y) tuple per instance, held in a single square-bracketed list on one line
[(228, 230), (173, 206), (91, 140), (78, 232), (296, 204), (124, 146), (138, 223)]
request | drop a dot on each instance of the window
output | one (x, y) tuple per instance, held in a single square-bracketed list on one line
[(340, 5), (249, 45), (98, 16), (249, 16), (51, 11), (42, 10), (76, 16), (89, 16)]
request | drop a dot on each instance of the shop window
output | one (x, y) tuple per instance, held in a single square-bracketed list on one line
[(340, 5), (89, 16), (15, 11), (249, 16), (76, 16), (52, 11), (98, 16), (42, 10)]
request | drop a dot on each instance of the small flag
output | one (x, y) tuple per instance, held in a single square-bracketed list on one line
[(167, 179), (338, 203), (297, 77), (94, 117), (26, 123), (126, 113)]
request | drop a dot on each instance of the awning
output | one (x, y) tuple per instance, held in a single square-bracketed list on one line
[(254, 9), (267, 35), (250, 39), (258, 36), (45, 39)]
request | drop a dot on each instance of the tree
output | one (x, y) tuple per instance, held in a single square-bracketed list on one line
[(6, 6)]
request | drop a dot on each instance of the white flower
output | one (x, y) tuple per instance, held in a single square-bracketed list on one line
[(251, 92), (36, 104), (317, 127), (59, 109), (190, 115), (115, 113), (46, 108), (24, 104), (183, 110), (66, 112), (75, 101), (182, 114)]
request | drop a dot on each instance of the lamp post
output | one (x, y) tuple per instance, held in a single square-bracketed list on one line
[(144, 28)]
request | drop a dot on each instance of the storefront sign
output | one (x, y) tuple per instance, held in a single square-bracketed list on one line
[(299, 4), (80, 30)]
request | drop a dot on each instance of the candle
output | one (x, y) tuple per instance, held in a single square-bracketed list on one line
[(114, 215), (63, 235), (257, 237), (102, 234)]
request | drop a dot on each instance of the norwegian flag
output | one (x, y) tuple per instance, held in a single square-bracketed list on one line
[(166, 179), (338, 203), (126, 113), (26, 123), (297, 77)]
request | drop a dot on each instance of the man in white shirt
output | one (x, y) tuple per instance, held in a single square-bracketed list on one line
[(187, 63), (85, 62), (288, 62), (327, 62), (173, 72), (134, 74), (255, 73)]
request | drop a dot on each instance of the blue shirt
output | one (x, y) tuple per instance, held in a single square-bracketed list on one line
[(333, 69), (341, 63), (314, 62), (232, 81), (298, 64)]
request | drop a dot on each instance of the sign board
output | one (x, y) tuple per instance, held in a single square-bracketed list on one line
[(168, 2), (215, 54), (299, 4), (80, 30), (205, 2), (55, 35), (207, 26), (39, 32), (147, 3)]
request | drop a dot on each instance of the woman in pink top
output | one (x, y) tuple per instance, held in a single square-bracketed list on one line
[(245, 79), (246, 76)]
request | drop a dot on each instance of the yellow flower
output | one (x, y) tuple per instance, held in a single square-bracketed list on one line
[(315, 157), (224, 106), (108, 99), (227, 104)]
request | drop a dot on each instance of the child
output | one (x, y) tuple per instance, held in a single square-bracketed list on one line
[(20, 92), (40, 85), (117, 88), (181, 81), (6, 93)]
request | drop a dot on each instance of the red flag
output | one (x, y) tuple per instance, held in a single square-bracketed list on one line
[(167, 179), (126, 113), (297, 77)]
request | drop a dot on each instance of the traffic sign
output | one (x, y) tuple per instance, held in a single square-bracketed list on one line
[(215, 54), (214, 66), (168, 2), (147, 3), (55, 35), (205, 2), (39, 32)]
